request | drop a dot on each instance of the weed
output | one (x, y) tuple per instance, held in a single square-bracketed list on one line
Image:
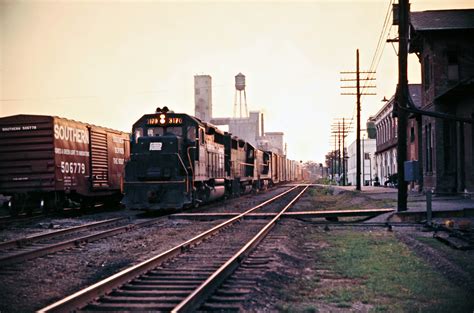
[(374, 269)]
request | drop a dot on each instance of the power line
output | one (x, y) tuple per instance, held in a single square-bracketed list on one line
[(381, 42)]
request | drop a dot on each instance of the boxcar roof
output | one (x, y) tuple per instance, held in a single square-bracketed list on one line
[(32, 118)]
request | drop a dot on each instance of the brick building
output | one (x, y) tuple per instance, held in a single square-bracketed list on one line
[(444, 43), (386, 136), (386, 142)]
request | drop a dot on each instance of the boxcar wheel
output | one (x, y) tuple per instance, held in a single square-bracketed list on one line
[(11, 206), (53, 203)]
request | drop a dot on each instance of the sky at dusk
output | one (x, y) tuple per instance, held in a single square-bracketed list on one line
[(109, 62)]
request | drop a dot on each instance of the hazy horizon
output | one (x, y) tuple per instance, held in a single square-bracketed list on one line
[(109, 62)]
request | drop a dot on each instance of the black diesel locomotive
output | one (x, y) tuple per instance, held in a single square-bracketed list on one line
[(178, 161)]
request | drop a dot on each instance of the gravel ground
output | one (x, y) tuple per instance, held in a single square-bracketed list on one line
[(50, 278), (53, 277), (50, 224)]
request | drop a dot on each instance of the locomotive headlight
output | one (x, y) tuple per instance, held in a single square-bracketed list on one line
[(162, 119)]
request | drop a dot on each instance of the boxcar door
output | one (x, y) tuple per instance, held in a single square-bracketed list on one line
[(99, 159)]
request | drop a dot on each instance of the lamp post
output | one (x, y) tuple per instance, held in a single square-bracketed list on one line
[(370, 170), (363, 161)]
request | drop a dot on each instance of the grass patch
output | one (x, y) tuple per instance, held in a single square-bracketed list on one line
[(389, 270), (375, 270), (323, 198), (297, 308)]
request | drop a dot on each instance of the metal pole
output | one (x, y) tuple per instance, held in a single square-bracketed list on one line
[(402, 92), (419, 121), (358, 187), (343, 155), (370, 170), (428, 206), (363, 160), (339, 151)]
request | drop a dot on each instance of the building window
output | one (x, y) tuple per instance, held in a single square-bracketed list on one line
[(196, 91), (426, 72), (412, 134), (394, 129), (453, 66), (429, 149)]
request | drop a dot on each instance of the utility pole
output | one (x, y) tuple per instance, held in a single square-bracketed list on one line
[(358, 94), (343, 155), (401, 103), (339, 150), (340, 130), (363, 160)]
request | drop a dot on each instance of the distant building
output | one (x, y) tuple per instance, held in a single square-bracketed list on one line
[(273, 141), (250, 128), (368, 168), (203, 97), (444, 43)]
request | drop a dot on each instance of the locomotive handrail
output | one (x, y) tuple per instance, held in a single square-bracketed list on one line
[(185, 169), (190, 163)]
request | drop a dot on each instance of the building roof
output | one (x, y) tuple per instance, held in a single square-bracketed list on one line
[(415, 95), (442, 20)]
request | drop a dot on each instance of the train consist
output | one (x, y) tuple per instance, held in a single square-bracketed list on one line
[(178, 161), (46, 160)]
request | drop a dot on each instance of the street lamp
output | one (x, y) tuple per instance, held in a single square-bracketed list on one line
[(370, 169), (363, 160)]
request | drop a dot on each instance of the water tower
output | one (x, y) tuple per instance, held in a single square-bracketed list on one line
[(239, 91)]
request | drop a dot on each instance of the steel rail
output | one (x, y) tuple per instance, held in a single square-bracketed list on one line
[(52, 248), (29, 239), (23, 217), (192, 302), (86, 295)]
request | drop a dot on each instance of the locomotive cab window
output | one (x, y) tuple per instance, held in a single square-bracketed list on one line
[(201, 136), (138, 133), (191, 133), (155, 131), (175, 130)]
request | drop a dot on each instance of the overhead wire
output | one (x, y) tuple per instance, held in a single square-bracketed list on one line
[(385, 30), (386, 27)]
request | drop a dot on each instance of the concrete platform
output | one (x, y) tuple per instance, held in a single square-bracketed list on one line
[(443, 206)]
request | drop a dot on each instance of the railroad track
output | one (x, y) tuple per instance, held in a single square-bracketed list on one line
[(22, 218), (27, 248), (182, 278)]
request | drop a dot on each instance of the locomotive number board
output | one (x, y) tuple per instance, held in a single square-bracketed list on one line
[(162, 119)]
